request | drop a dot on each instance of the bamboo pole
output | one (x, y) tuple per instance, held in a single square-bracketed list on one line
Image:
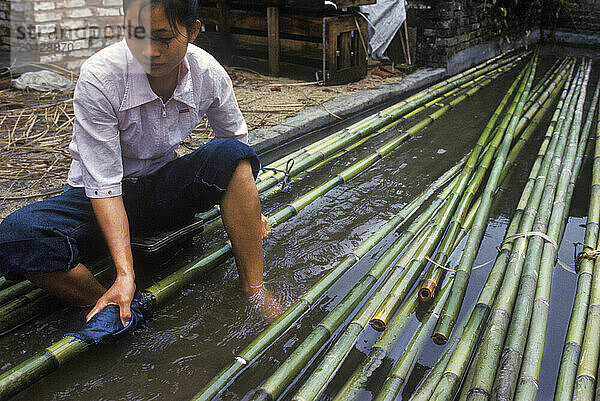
[(406, 272), (480, 311), (446, 387), (510, 362), (427, 290), (399, 373), (539, 103), (249, 354), (577, 323), (485, 367), (527, 385), (331, 362), (459, 285)]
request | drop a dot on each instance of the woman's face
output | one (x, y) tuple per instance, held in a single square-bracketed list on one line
[(153, 43)]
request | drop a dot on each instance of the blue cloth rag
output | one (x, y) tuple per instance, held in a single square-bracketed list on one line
[(106, 324)]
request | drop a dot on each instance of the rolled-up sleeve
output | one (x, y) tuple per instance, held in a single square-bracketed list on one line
[(96, 136), (224, 115)]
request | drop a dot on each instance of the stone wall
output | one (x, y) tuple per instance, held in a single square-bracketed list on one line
[(444, 28), (579, 16), (65, 32)]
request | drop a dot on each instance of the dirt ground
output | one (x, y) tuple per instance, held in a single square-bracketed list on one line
[(35, 129)]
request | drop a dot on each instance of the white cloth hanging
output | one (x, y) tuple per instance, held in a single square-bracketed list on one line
[(386, 17)]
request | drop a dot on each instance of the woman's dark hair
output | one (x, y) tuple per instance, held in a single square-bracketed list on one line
[(184, 12)]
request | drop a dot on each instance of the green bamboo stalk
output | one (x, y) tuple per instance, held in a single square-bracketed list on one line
[(577, 323), (586, 371), (16, 290), (474, 324), (430, 282), (511, 358), (247, 356), (401, 369), (485, 367), (435, 102), (459, 286), (4, 283), (527, 386), (313, 386), (431, 380), (322, 374), (543, 95)]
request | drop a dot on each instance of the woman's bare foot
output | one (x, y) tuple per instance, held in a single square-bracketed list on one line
[(263, 302)]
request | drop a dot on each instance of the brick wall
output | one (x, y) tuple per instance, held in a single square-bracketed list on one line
[(444, 28), (65, 32), (580, 16), (4, 26)]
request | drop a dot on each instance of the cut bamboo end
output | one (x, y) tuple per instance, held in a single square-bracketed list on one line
[(439, 338), (378, 324), (427, 291)]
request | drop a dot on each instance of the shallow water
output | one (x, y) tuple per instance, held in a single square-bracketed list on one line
[(199, 331)]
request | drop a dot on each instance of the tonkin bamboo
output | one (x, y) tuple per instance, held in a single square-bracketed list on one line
[(479, 314), (485, 367), (317, 381), (274, 386), (428, 287), (527, 386), (541, 94), (586, 379), (474, 325), (577, 323), (399, 373), (510, 362), (459, 285), (460, 193), (430, 281)]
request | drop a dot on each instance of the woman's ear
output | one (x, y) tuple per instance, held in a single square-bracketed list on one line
[(193, 33)]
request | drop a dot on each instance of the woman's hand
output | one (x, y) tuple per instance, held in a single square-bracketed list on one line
[(121, 294)]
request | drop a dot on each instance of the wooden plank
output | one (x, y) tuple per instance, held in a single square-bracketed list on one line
[(273, 40), (289, 24), (345, 51)]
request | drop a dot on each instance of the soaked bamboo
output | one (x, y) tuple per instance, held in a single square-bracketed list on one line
[(485, 367), (401, 369), (510, 362), (527, 386), (247, 356), (447, 386), (459, 285)]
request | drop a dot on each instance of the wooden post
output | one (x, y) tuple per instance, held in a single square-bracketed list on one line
[(273, 42), (224, 33)]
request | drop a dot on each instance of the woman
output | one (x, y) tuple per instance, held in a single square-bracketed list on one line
[(134, 103)]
